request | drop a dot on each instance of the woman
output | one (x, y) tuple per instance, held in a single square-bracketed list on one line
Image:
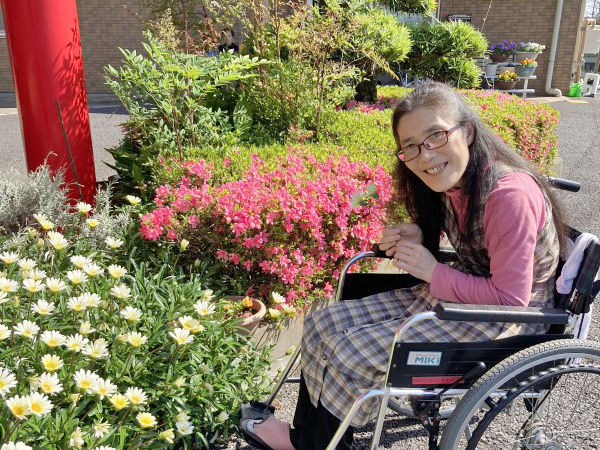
[(454, 176)]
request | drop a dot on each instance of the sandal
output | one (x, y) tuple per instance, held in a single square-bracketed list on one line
[(247, 427)]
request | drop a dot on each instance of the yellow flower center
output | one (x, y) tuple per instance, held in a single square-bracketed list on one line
[(36, 407), (18, 410), (46, 387)]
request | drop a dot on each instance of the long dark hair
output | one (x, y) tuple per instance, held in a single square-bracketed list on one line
[(487, 153)]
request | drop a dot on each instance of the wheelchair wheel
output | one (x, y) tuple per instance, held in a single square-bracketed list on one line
[(546, 397)]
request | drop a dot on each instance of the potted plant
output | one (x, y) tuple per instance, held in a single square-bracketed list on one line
[(506, 80), (501, 52), (490, 69), (510, 67), (251, 310), (529, 50), (527, 67)]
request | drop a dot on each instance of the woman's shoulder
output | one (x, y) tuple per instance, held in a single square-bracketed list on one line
[(514, 192)]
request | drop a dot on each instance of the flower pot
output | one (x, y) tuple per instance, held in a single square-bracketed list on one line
[(525, 71), (508, 69), (499, 57), (504, 85), (490, 70), (258, 312), (522, 55)]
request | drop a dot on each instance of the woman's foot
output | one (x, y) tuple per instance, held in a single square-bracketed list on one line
[(275, 433)]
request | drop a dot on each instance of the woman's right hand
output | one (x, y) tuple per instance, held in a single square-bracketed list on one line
[(401, 232)]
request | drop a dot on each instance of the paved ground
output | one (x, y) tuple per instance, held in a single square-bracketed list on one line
[(579, 134)]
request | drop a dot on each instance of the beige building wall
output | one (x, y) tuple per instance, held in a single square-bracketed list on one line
[(527, 21), (105, 25)]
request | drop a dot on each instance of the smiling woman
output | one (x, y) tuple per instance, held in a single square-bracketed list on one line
[(457, 177)]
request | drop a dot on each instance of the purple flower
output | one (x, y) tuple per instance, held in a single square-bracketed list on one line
[(504, 47)]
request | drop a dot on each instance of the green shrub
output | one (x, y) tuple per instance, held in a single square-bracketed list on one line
[(444, 51), (173, 105), (424, 7), (528, 127)]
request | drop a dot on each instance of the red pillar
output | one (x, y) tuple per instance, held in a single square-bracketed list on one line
[(45, 51)]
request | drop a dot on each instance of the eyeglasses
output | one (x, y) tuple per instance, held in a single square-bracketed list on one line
[(436, 140)]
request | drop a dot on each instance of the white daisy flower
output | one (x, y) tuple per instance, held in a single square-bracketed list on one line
[(79, 261), (39, 404), (167, 435), (33, 286), (77, 276), (52, 338), (136, 396), (100, 429), (86, 328), (204, 308), (26, 329), (133, 200), (15, 446), (57, 240), (76, 342), (113, 243), (274, 313), (184, 428), (136, 339), (97, 349), (181, 336), (9, 257), (146, 420), (207, 294), (91, 300), (104, 388), (93, 269), (26, 264), (7, 381), (52, 362), (37, 274), (7, 285), (131, 314), (121, 292), (43, 308), (183, 245), (49, 384), (55, 285), (19, 406), (76, 438), (182, 416), (77, 304), (4, 332), (83, 207), (189, 323), (119, 401), (92, 223), (277, 298), (116, 271), (3, 297), (86, 380)]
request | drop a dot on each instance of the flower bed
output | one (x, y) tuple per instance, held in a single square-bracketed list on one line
[(94, 354), (289, 228)]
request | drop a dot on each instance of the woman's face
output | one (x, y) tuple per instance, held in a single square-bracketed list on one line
[(441, 168)]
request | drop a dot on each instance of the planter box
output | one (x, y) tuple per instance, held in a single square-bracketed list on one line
[(522, 55), (525, 71), (496, 57), (504, 85)]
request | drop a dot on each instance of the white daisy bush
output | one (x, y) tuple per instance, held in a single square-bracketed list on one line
[(99, 350)]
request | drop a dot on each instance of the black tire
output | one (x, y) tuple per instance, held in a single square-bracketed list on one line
[(559, 372)]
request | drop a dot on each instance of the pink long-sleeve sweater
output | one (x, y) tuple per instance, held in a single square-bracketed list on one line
[(514, 214)]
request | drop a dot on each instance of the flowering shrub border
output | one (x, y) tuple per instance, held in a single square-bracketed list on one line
[(290, 228)]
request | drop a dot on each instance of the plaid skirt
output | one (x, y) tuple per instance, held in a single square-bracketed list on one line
[(346, 345)]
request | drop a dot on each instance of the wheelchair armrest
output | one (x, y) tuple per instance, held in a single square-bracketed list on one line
[(496, 313)]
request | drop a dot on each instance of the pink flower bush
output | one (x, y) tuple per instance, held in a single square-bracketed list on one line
[(291, 228)]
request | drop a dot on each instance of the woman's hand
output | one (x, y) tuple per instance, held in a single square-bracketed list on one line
[(414, 259), (395, 233)]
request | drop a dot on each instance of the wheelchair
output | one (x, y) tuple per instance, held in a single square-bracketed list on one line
[(524, 392)]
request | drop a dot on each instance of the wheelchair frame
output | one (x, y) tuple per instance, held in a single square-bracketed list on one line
[(483, 387)]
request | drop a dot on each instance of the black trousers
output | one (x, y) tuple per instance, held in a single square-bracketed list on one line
[(314, 427)]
